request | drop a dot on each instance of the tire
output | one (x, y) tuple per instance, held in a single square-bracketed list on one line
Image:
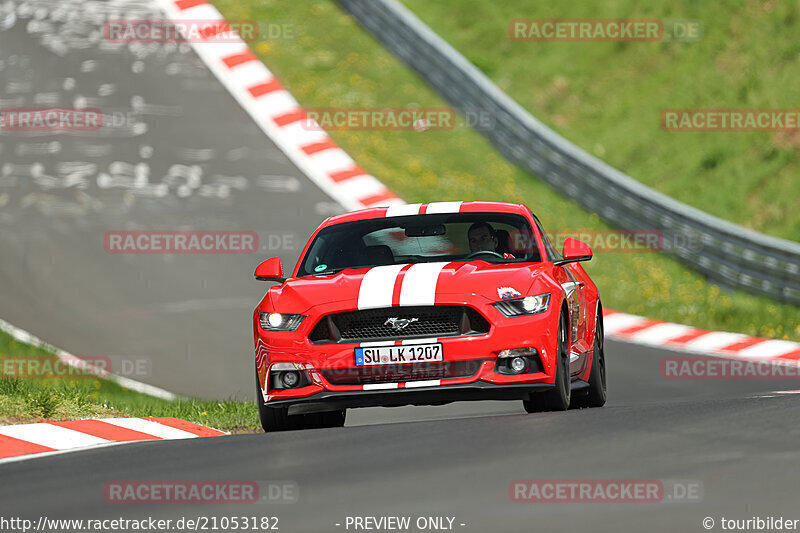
[(274, 418), (557, 398), (596, 392)]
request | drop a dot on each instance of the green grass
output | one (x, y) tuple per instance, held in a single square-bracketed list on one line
[(333, 63), (54, 398)]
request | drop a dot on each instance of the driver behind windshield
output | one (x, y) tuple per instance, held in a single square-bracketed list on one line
[(482, 238)]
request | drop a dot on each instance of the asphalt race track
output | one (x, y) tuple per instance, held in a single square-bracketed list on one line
[(177, 161)]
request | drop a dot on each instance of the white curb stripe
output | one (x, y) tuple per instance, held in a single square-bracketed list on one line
[(658, 334), (54, 437), (151, 428), (714, 340), (621, 321), (82, 435), (768, 349)]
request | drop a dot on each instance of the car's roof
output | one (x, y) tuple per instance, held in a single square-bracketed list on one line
[(427, 208)]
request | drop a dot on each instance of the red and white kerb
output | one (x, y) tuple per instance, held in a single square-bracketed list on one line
[(681, 338), (52, 437)]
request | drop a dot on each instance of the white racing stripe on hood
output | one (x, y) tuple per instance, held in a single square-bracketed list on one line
[(419, 284), (403, 210), (443, 207), (377, 287)]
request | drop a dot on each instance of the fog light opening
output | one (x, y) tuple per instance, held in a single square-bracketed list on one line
[(290, 379), (519, 365)]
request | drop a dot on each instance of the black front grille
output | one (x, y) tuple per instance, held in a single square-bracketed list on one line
[(400, 373), (374, 323), (410, 322)]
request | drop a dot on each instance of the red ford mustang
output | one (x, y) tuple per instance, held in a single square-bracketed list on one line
[(427, 304)]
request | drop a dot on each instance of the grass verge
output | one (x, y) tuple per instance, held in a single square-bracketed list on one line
[(332, 62), (49, 396)]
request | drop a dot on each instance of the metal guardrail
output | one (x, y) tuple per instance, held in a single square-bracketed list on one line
[(726, 253)]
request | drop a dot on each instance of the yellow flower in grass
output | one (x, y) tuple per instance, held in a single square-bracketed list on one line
[(262, 47)]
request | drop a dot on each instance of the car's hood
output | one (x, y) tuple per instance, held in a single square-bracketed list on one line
[(418, 284)]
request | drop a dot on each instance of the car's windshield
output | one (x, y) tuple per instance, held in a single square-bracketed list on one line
[(494, 237)]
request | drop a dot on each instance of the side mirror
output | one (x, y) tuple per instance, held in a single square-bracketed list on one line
[(270, 270), (573, 251)]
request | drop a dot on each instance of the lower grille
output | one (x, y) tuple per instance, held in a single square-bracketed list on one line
[(399, 373), (399, 323)]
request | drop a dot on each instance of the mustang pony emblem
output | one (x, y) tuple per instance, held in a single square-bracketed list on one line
[(399, 323)]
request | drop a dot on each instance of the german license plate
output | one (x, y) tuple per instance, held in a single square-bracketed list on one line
[(398, 355)]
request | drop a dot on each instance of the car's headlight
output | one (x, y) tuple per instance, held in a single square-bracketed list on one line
[(530, 305), (279, 321)]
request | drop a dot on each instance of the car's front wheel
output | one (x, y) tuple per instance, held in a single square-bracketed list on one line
[(557, 398), (595, 395)]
